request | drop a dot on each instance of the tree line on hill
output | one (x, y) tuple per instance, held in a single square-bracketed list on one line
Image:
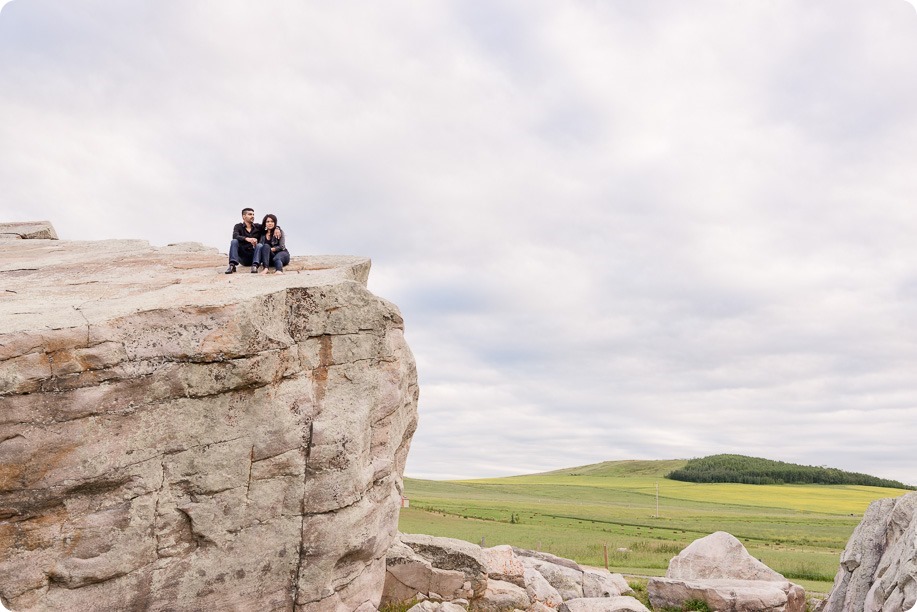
[(754, 470)]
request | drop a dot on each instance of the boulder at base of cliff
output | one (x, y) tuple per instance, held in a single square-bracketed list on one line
[(718, 570), (409, 575), (496, 578)]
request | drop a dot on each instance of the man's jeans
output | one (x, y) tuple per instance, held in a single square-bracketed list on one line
[(279, 260), (243, 256)]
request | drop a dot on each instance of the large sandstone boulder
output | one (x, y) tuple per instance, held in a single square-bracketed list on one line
[(878, 569), (718, 555), (173, 438), (718, 570)]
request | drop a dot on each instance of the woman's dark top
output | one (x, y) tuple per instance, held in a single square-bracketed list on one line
[(279, 244)]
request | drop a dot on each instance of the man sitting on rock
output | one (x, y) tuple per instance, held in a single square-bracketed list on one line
[(244, 247)]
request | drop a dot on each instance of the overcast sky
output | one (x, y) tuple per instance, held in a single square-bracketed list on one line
[(623, 229)]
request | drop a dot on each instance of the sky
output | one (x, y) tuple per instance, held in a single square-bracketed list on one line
[(616, 229)]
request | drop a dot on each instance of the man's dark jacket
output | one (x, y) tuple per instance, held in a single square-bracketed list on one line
[(240, 233)]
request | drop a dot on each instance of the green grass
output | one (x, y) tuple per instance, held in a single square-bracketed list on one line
[(579, 513)]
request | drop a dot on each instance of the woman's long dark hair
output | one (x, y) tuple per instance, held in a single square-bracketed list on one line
[(264, 222)]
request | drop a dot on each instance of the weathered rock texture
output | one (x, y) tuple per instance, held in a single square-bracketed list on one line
[(878, 569), (27, 230), (173, 438), (718, 570), (596, 604), (497, 578)]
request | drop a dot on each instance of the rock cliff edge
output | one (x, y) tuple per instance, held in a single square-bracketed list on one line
[(173, 438)]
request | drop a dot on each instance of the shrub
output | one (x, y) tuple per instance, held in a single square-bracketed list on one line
[(639, 587)]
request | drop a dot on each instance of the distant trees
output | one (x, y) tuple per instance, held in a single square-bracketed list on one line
[(753, 470)]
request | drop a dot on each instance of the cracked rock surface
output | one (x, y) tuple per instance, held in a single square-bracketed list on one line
[(173, 438), (718, 570), (878, 569)]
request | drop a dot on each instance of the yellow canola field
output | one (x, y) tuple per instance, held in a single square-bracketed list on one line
[(826, 499)]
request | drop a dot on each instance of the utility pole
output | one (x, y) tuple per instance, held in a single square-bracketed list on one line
[(657, 500)]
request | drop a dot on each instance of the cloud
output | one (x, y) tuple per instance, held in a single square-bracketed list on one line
[(642, 231)]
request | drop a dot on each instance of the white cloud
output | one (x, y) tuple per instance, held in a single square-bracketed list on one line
[(641, 231)]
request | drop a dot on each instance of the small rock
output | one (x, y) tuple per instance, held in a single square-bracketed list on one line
[(437, 606), (603, 604), (501, 596)]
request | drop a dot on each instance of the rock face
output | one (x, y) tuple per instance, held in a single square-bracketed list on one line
[(173, 438), (878, 569), (498, 578), (718, 570)]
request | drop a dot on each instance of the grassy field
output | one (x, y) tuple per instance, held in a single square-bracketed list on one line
[(798, 530)]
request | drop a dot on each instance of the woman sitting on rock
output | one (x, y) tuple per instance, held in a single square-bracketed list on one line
[(274, 249)]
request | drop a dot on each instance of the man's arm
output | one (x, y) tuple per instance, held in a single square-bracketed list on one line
[(257, 233), (282, 245)]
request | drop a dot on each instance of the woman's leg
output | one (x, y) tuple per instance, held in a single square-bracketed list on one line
[(281, 259)]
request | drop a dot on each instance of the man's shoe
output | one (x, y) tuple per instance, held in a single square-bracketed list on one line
[(231, 269), (254, 268)]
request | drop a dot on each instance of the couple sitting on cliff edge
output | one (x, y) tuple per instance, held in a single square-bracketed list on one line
[(258, 245)]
